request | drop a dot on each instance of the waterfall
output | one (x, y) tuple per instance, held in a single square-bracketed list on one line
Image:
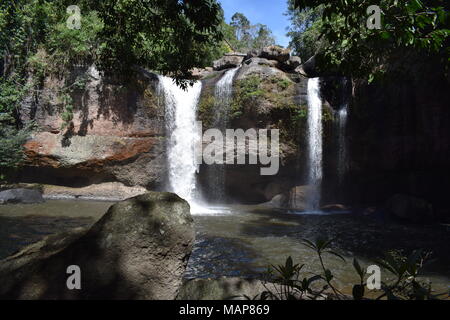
[(222, 94), (314, 143), (342, 147), (182, 134)]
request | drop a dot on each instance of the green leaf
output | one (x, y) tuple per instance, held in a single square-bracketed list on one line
[(358, 268), (358, 292)]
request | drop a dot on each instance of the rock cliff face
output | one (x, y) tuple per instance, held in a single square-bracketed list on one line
[(397, 134), (267, 94), (399, 139), (116, 134)]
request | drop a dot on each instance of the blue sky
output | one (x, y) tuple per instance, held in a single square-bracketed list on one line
[(268, 12)]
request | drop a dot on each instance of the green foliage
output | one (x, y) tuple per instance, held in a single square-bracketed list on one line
[(304, 30), (300, 113), (11, 144), (243, 36), (72, 46), (247, 93), (165, 36), (282, 83), (287, 281), (10, 95), (206, 109), (408, 28)]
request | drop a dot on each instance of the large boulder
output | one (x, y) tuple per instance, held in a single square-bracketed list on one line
[(228, 61), (295, 198), (291, 64), (111, 191), (260, 67), (21, 195), (309, 68), (275, 53), (138, 250), (409, 208)]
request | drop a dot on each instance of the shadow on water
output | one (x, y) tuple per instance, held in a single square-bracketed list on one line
[(243, 242)]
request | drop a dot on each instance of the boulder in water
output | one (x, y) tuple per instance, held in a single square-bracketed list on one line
[(334, 207), (409, 208), (138, 250), (21, 195)]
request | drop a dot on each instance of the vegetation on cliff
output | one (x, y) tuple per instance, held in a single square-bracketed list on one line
[(40, 38)]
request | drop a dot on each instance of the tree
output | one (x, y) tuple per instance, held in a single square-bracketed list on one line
[(305, 30), (409, 28), (241, 25), (166, 36), (247, 36), (264, 37)]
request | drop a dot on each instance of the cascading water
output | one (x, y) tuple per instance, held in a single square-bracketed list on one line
[(222, 94), (342, 147), (180, 106), (314, 143)]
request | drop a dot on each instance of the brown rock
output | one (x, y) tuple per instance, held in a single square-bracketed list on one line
[(138, 250)]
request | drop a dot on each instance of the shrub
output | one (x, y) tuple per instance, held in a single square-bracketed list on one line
[(288, 283)]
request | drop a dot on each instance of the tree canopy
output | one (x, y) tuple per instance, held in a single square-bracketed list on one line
[(244, 36), (168, 36), (407, 28)]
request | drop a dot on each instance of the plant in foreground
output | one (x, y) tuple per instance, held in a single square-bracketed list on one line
[(285, 282)]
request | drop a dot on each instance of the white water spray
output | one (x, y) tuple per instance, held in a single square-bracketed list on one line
[(314, 143), (342, 152), (180, 111), (222, 93), (223, 90)]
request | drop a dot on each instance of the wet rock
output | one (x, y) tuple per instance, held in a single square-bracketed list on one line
[(334, 207), (226, 288), (409, 208), (294, 199), (220, 289), (21, 196), (298, 196), (111, 191), (138, 250)]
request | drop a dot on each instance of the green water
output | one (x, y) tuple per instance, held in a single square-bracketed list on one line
[(241, 241)]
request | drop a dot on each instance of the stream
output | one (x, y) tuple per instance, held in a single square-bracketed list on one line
[(244, 240)]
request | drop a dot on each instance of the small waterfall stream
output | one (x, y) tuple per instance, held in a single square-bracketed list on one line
[(182, 135), (222, 93), (341, 126), (314, 143), (342, 145)]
